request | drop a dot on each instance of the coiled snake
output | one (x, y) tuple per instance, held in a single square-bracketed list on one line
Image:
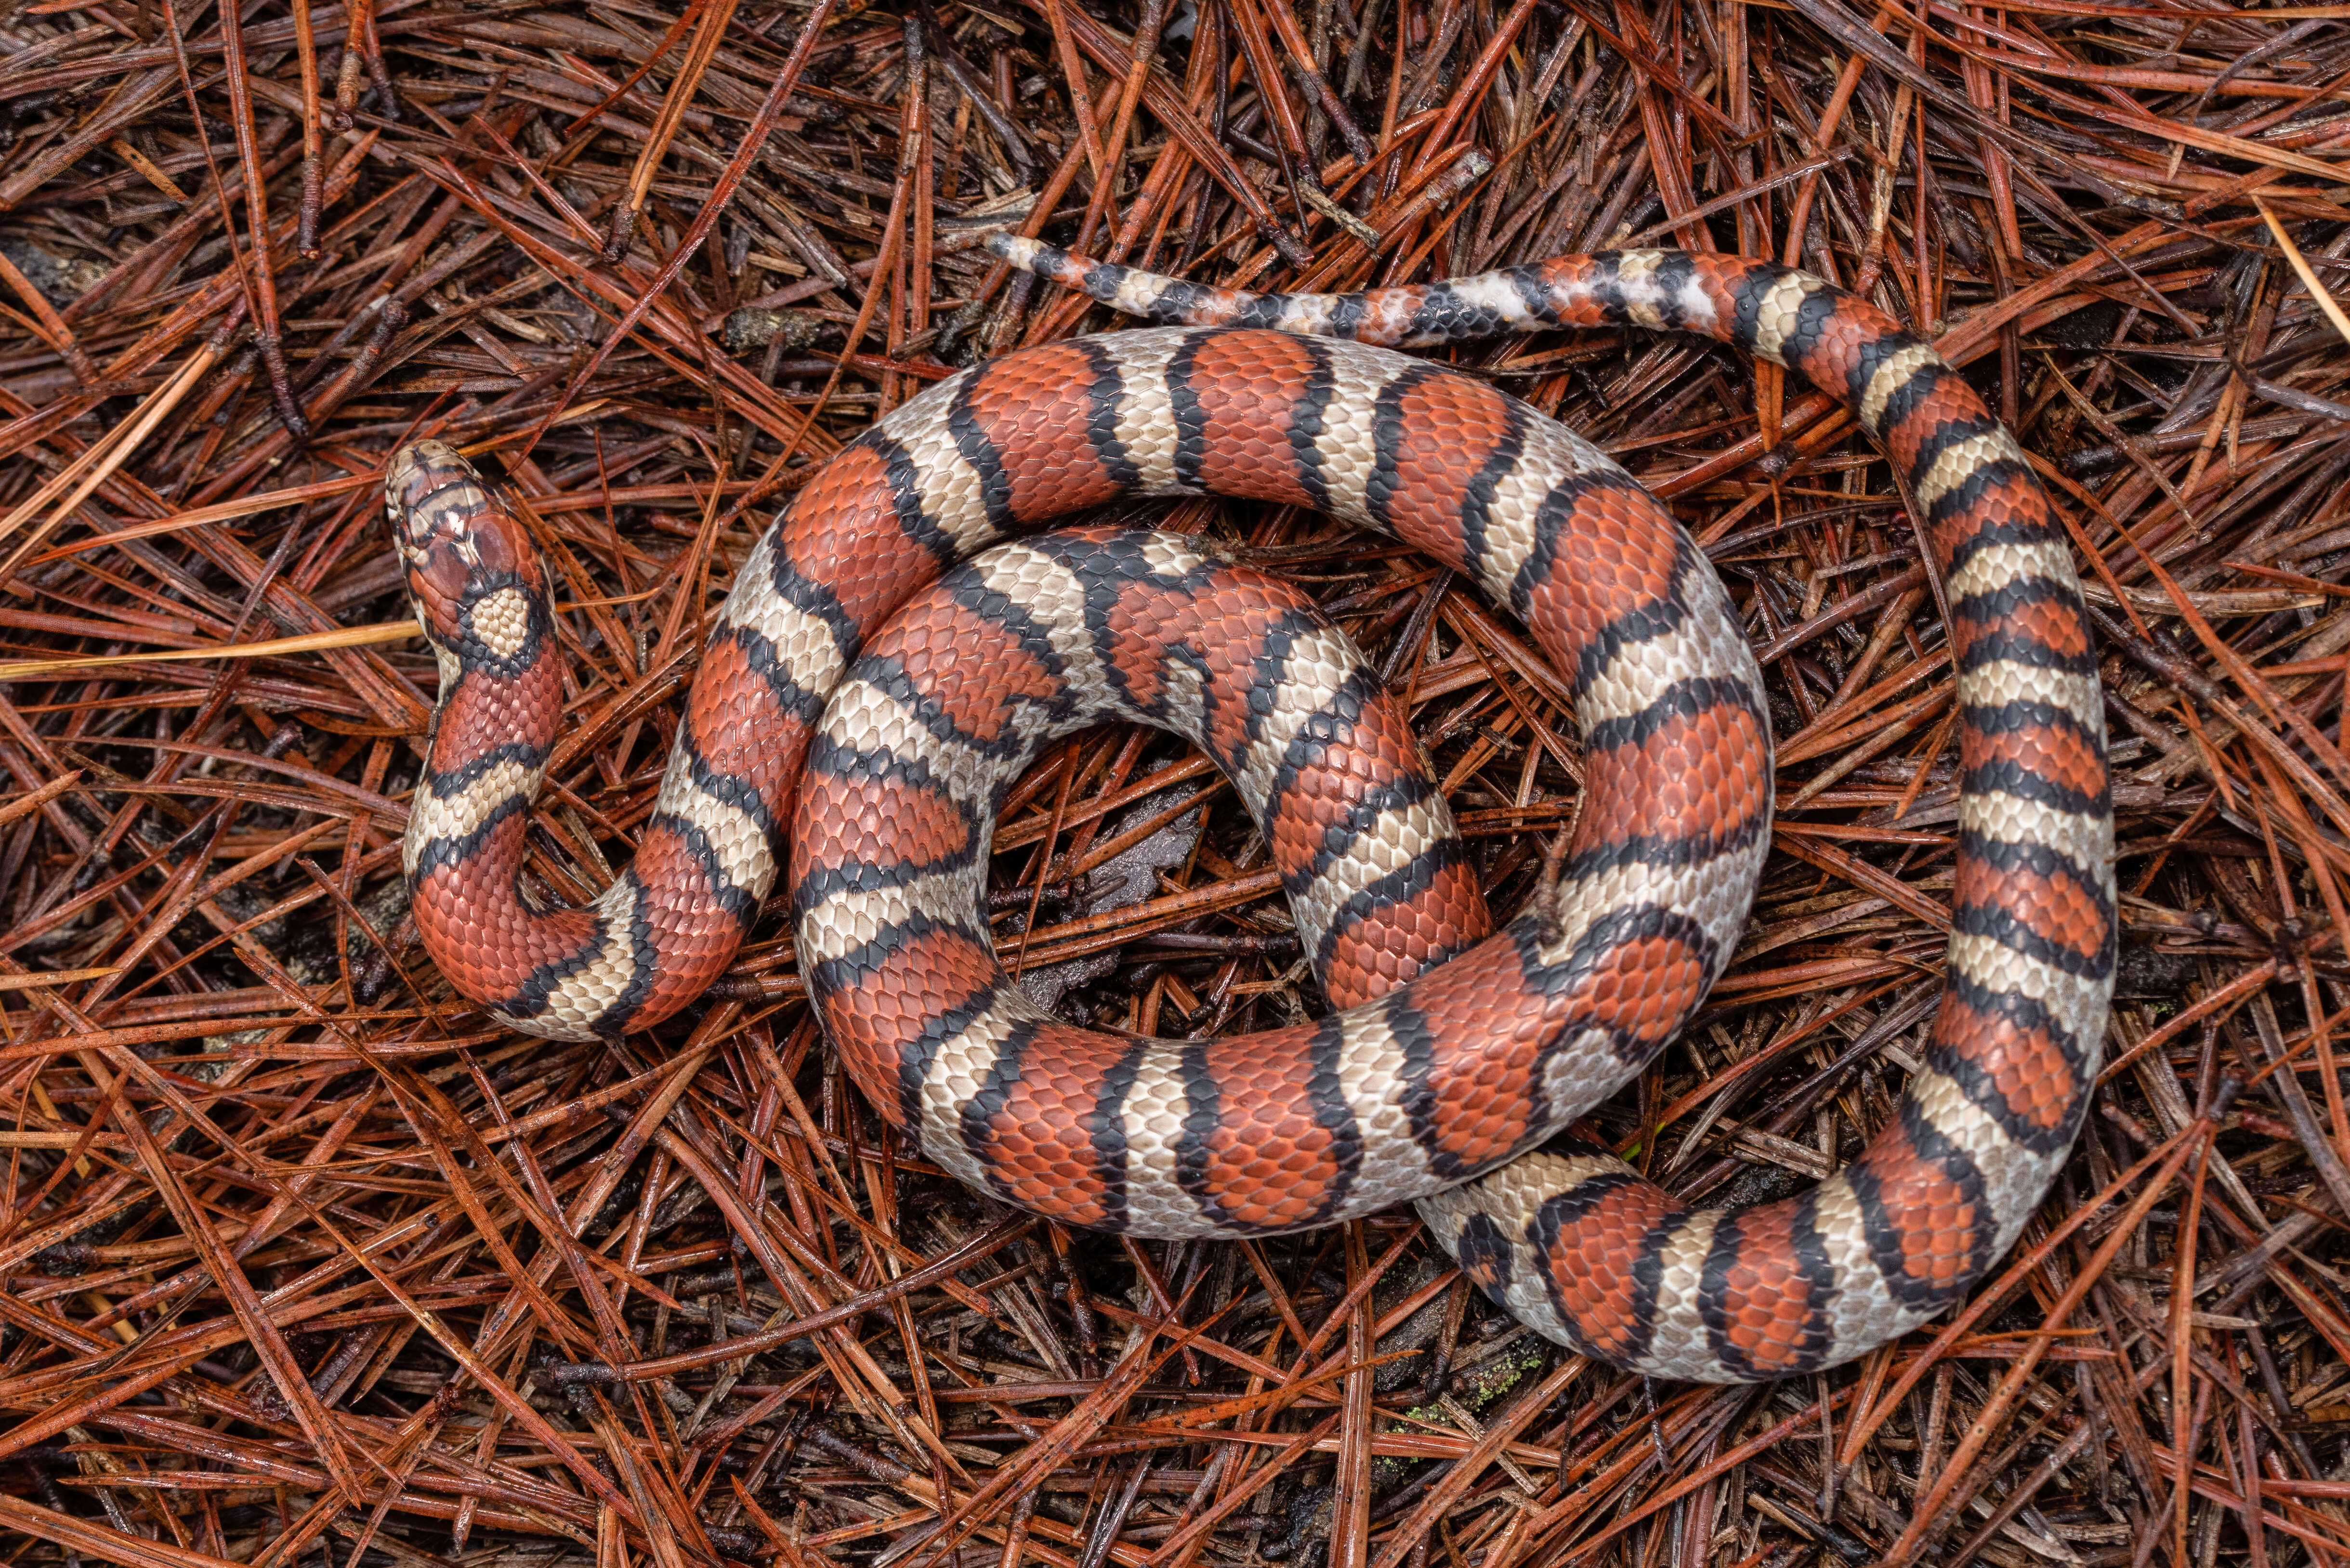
[(886, 749)]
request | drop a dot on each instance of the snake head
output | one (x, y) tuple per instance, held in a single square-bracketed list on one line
[(459, 544)]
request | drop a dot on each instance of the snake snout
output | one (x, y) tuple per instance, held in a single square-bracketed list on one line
[(433, 496), (457, 541)]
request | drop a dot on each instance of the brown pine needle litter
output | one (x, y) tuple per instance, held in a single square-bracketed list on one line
[(303, 1262)]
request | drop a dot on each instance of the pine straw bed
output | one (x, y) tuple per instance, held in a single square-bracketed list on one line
[(288, 1235)]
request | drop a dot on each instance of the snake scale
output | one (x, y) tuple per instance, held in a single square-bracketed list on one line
[(886, 664)]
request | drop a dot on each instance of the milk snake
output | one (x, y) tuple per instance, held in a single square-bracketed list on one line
[(885, 751)]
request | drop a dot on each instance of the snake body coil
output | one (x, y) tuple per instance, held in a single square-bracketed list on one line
[(1436, 1072)]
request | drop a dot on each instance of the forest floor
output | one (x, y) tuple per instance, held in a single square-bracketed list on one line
[(301, 1259)]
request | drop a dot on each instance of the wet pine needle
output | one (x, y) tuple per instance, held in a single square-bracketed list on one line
[(301, 1262)]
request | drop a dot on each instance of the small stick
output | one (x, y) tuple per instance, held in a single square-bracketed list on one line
[(306, 48), (268, 339), (348, 76), (371, 51)]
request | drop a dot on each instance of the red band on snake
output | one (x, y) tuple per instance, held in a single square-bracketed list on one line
[(1443, 1085)]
